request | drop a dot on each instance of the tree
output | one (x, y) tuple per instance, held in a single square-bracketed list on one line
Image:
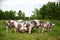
[(12, 14), (36, 14), (6, 15), (1, 14), (20, 14), (23, 16), (49, 11)]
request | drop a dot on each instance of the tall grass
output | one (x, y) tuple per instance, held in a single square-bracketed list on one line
[(11, 35)]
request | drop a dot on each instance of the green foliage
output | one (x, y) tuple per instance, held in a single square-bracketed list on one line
[(20, 14), (36, 14), (11, 14), (49, 11), (7, 15), (1, 14), (23, 16)]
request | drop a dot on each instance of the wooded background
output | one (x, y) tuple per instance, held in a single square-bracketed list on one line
[(51, 10)]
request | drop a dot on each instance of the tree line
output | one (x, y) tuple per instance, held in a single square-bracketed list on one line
[(8, 15), (51, 10)]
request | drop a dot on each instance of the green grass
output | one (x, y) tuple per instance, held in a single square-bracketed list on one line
[(11, 35)]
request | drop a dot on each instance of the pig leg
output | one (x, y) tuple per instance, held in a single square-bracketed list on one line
[(15, 30), (30, 28), (42, 29), (6, 28)]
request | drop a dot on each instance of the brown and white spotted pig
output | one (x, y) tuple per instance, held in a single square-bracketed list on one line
[(47, 25), (18, 25), (12, 24), (9, 24), (22, 28), (20, 21), (31, 24)]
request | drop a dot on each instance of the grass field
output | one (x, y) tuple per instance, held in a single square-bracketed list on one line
[(11, 35)]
